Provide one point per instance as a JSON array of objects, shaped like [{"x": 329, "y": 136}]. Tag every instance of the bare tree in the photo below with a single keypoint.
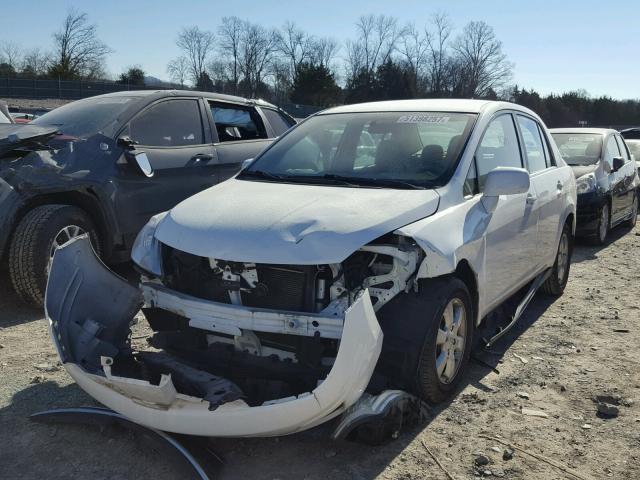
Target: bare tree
[
  {"x": 322, "y": 51},
  {"x": 294, "y": 44},
  {"x": 483, "y": 65},
  {"x": 11, "y": 54},
  {"x": 378, "y": 37},
  {"x": 197, "y": 45},
  {"x": 178, "y": 69},
  {"x": 413, "y": 48},
  {"x": 230, "y": 36},
  {"x": 438, "y": 53},
  {"x": 78, "y": 51},
  {"x": 257, "y": 48},
  {"x": 35, "y": 62}
]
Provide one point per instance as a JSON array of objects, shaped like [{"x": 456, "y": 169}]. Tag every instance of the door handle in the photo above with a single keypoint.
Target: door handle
[
  {"x": 202, "y": 157},
  {"x": 559, "y": 186},
  {"x": 531, "y": 199}
]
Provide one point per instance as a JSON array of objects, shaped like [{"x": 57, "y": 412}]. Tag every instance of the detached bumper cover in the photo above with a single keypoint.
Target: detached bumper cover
[{"x": 90, "y": 308}]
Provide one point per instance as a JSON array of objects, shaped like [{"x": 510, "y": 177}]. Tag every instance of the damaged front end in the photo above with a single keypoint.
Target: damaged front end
[{"x": 237, "y": 349}]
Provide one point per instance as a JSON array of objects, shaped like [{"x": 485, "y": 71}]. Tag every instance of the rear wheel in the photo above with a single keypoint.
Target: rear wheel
[
  {"x": 634, "y": 213},
  {"x": 557, "y": 281},
  {"x": 34, "y": 242}
]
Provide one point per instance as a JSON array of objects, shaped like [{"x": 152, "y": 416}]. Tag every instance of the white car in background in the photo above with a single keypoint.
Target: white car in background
[{"x": 326, "y": 278}]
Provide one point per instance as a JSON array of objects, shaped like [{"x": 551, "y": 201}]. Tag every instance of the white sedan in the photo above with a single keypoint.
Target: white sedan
[{"x": 352, "y": 263}]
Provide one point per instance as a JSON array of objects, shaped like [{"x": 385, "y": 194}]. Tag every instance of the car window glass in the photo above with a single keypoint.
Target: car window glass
[
  {"x": 279, "y": 123},
  {"x": 532, "y": 144},
  {"x": 612, "y": 149},
  {"x": 381, "y": 146},
  {"x": 547, "y": 153},
  {"x": 234, "y": 123},
  {"x": 172, "y": 123},
  {"x": 579, "y": 148},
  {"x": 498, "y": 148},
  {"x": 623, "y": 148},
  {"x": 471, "y": 182},
  {"x": 634, "y": 147}
]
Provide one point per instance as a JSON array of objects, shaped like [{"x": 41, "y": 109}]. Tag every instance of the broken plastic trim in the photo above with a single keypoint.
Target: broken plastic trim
[
  {"x": 90, "y": 309},
  {"x": 104, "y": 416}
]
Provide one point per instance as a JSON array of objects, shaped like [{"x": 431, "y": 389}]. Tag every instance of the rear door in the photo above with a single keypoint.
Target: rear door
[
  {"x": 548, "y": 185},
  {"x": 239, "y": 134},
  {"x": 179, "y": 147},
  {"x": 510, "y": 241}
]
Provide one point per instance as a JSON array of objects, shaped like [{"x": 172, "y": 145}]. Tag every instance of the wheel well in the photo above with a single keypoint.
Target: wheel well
[
  {"x": 465, "y": 273},
  {"x": 571, "y": 218},
  {"x": 86, "y": 200}
]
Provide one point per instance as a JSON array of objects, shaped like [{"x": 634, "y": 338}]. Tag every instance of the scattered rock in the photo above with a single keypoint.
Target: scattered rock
[
  {"x": 1, "y": 345},
  {"x": 524, "y": 395},
  {"x": 522, "y": 359},
  {"x": 586, "y": 426},
  {"x": 534, "y": 413},
  {"x": 621, "y": 330},
  {"x": 46, "y": 367},
  {"x": 38, "y": 379},
  {"x": 507, "y": 454},
  {"x": 608, "y": 410},
  {"x": 482, "y": 460},
  {"x": 496, "y": 449},
  {"x": 563, "y": 388}
]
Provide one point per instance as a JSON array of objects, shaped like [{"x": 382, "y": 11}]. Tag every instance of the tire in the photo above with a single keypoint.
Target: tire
[
  {"x": 32, "y": 243},
  {"x": 631, "y": 222},
  {"x": 410, "y": 324},
  {"x": 557, "y": 281},
  {"x": 604, "y": 224}
]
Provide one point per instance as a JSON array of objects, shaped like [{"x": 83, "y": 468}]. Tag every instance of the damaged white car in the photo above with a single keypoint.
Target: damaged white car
[{"x": 354, "y": 260}]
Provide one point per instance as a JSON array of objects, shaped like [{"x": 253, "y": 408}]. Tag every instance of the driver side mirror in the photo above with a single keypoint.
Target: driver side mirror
[
  {"x": 618, "y": 163},
  {"x": 504, "y": 181},
  {"x": 140, "y": 161}
]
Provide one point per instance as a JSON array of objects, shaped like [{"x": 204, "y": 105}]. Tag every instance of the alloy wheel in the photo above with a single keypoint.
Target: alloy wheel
[
  {"x": 563, "y": 257},
  {"x": 451, "y": 339},
  {"x": 603, "y": 228}
]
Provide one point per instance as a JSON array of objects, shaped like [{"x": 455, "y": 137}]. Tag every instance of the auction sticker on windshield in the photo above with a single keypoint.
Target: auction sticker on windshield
[{"x": 423, "y": 118}]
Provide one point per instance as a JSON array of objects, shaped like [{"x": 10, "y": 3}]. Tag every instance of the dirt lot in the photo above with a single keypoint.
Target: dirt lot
[{"x": 563, "y": 354}]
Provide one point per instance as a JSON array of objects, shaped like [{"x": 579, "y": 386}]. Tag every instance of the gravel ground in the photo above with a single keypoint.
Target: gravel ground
[{"x": 563, "y": 353}]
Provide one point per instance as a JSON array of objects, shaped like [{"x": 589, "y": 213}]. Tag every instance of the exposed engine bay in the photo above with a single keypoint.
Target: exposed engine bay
[{"x": 289, "y": 354}]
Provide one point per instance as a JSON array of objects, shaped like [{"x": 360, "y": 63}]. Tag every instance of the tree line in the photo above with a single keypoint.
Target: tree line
[{"x": 384, "y": 60}]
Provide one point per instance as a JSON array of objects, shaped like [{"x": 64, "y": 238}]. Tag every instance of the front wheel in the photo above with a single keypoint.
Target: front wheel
[
  {"x": 602, "y": 229},
  {"x": 557, "y": 281},
  {"x": 34, "y": 242},
  {"x": 631, "y": 222}
]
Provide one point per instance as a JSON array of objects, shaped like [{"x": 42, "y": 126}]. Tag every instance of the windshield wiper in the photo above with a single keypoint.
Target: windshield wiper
[
  {"x": 375, "y": 182},
  {"x": 261, "y": 174}
]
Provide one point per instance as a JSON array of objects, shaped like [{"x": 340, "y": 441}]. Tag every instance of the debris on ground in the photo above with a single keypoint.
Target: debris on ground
[{"x": 529, "y": 412}]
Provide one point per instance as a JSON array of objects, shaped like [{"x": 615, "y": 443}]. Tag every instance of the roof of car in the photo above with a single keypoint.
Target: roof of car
[
  {"x": 588, "y": 131},
  {"x": 424, "y": 105},
  {"x": 187, "y": 93}
]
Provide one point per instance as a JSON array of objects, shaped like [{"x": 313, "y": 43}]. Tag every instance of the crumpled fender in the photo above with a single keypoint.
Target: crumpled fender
[{"x": 89, "y": 310}]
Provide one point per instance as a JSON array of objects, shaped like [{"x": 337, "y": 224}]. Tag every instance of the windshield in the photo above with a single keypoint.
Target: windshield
[
  {"x": 87, "y": 117},
  {"x": 396, "y": 150},
  {"x": 579, "y": 148},
  {"x": 634, "y": 146}
]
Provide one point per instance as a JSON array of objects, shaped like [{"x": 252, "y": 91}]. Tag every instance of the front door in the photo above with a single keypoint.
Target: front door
[
  {"x": 178, "y": 145},
  {"x": 510, "y": 238}
]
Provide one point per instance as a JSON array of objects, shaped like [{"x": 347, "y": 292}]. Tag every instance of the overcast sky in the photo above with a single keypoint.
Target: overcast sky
[{"x": 556, "y": 45}]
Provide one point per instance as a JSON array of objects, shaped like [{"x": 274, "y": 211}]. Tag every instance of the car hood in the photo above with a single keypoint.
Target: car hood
[
  {"x": 580, "y": 170},
  {"x": 14, "y": 136},
  {"x": 268, "y": 222}
]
